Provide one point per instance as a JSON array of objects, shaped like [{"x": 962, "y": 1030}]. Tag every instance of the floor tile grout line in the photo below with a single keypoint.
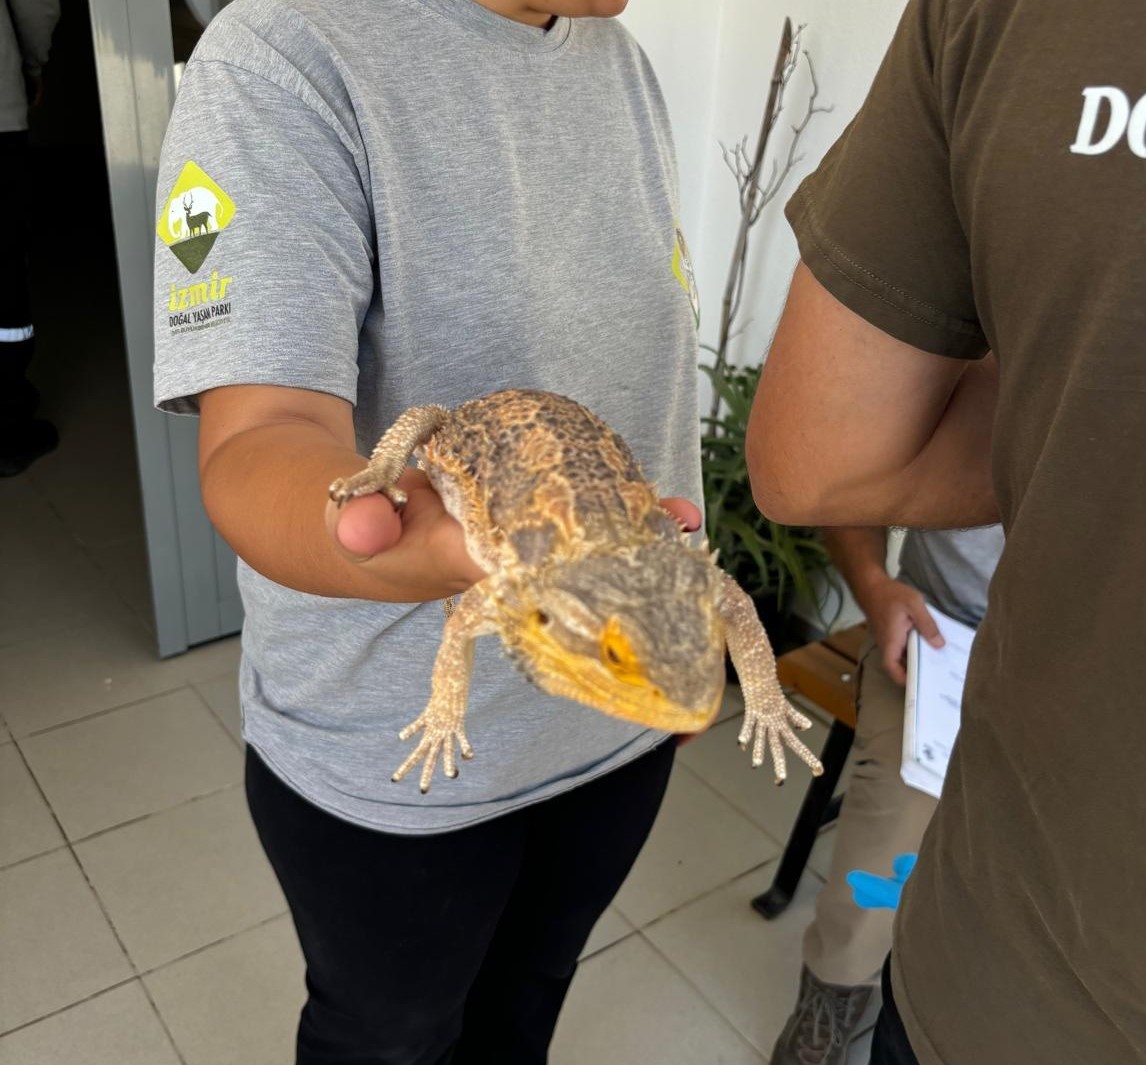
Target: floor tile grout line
[
  {"x": 89, "y": 552},
  {"x": 137, "y": 979},
  {"x": 203, "y": 947},
  {"x": 32, "y": 857},
  {"x": 233, "y": 786},
  {"x": 104, "y": 711},
  {"x": 641, "y": 932},
  {"x": 639, "y": 927},
  {"x": 106, "y": 916},
  {"x": 78, "y": 627},
  {"x": 51, "y": 811},
  {"x": 216, "y": 716},
  {"x": 782, "y": 844},
  {"x": 741, "y": 810},
  {"x": 139, "y": 974},
  {"x": 702, "y": 996},
  {"x": 70, "y": 1006},
  {"x": 608, "y": 946},
  {"x": 162, "y": 1021},
  {"x": 724, "y": 798},
  {"x": 67, "y": 842}
]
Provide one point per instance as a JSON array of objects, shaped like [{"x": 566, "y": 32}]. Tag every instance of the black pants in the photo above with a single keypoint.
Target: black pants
[
  {"x": 455, "y": 948},
  {"x": 889, "y": 1045},
  {"x": 18, "y": 398}
]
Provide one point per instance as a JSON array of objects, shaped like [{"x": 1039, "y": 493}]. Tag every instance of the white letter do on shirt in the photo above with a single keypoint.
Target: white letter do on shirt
[{"x": 1121, "y": 120}]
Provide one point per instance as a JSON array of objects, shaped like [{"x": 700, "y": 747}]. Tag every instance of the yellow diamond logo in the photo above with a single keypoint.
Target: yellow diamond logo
[{"x": 196, "y": 212}]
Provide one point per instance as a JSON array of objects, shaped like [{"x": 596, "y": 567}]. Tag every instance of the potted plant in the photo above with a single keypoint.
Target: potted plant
[{"x": 776, "y": 564}]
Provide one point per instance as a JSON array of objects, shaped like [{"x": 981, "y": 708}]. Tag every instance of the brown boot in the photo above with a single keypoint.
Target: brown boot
[{"x": 826, "y": 1020}]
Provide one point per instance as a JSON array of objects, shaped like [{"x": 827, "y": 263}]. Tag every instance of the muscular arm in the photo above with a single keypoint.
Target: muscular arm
[
  {"x": 266, "y": 457},
  {"x": 852, "y": 427}
]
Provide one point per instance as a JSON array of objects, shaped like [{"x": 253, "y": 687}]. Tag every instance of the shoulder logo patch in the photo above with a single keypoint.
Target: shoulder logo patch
[
  {"x": 682, "y": 269},
  {"x": 196, "y": 212}
]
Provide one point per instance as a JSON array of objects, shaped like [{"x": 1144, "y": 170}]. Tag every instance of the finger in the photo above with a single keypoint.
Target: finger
[
  {"x": 687, "y": 514},
  {"x": 926, "y": 625},
  {"x": 367, "y": 526},
  {"x": 893, "y": 667}
]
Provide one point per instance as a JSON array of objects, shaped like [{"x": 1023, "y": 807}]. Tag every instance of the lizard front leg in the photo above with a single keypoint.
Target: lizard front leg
[
  {"x": 768, "y": 716},
  {"x": 442, "y": 723},
  {"x": 390, "y": 456}
]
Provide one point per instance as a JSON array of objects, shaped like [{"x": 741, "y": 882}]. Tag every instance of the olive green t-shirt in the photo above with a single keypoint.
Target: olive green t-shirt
[{"x": 991, "y": 194}]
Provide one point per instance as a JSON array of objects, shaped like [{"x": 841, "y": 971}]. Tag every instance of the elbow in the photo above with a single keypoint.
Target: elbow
[
  {"x": 784, "y": 491},
  {"x": 789, "y": 502}
]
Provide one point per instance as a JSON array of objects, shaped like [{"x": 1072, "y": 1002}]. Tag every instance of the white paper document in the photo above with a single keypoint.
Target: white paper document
[{"x": 934, "y": 696}]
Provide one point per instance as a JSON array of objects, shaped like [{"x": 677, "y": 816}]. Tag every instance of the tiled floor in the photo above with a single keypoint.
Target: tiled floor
[
  {"x": 141, "y": 924},
  {"x": 139, "y": 921}
]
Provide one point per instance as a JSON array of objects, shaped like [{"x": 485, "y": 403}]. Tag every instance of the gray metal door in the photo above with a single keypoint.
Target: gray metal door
[{"x": 192, "y": 569}]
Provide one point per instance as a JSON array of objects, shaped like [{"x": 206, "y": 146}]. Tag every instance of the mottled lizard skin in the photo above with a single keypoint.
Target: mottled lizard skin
[{"x": 595, "y": 592}]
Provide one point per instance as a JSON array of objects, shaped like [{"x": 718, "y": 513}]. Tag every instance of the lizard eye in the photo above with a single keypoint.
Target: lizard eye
[
  {"x": 541, "y": 617},
  {"x": 618, "y": 653}
]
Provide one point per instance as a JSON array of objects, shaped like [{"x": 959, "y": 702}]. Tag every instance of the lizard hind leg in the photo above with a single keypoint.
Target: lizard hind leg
[
  {"x": 442, "y": 723},
  {"x": 390, "y": 456}
]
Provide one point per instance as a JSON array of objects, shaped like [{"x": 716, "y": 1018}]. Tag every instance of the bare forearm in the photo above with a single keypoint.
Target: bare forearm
[
  {"x": 860, "y": 555},
  {"x": 853, "y": 427},
  {"x": 948, "y": 485},
  {"x": 265, "y": 489},
  {"x": 942, "y": 482}
]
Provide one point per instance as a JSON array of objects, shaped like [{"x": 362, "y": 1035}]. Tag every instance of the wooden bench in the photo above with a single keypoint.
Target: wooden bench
[{"x": 826, "y": 674}]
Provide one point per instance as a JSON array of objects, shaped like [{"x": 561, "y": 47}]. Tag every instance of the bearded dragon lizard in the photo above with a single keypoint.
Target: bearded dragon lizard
[{"x": 595, "y": 592}]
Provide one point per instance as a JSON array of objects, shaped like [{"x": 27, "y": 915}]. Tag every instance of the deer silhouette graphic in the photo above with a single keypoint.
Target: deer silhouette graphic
[{"x": 195, "y": 221}]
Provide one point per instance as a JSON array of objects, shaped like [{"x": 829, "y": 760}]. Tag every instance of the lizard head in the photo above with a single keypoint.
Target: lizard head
[{"x": 634, "y": 634}]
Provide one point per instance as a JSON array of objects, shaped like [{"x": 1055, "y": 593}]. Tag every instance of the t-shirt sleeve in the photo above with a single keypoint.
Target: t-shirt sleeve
[
  {"x": 264, "y": 264},
  {"x": 877, "y": 222}
]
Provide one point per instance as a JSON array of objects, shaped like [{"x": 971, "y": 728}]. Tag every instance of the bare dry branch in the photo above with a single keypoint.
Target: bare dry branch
[{"x": 753, "y": 197}]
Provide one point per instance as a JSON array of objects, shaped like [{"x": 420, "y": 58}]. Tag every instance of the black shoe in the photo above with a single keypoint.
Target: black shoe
[{"x": 24, "y": 441}]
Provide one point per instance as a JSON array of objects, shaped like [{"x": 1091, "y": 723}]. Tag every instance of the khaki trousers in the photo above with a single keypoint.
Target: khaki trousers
[{"x": 880, "y": 818}]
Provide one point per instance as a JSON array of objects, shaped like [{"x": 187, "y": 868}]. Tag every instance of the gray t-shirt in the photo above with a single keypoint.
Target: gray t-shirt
[
  {"x": 953, "y": 568},
  {"x": 403, "y": 202}
]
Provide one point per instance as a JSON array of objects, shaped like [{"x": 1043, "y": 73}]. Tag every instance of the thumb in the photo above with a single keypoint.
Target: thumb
[
  {"x": 685, "y": 512},
  {"x": 366, "y": 526}
]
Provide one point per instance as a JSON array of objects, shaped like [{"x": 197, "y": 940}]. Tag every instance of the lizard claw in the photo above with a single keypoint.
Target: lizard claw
[
  {"x": 774, "y": 727},
  {"x": 442, "y": 731},
  {"x": 363, "y": 484}
]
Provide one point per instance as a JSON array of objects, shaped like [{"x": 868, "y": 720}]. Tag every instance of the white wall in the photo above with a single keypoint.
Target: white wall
[{"x": 714, "y": 60}]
